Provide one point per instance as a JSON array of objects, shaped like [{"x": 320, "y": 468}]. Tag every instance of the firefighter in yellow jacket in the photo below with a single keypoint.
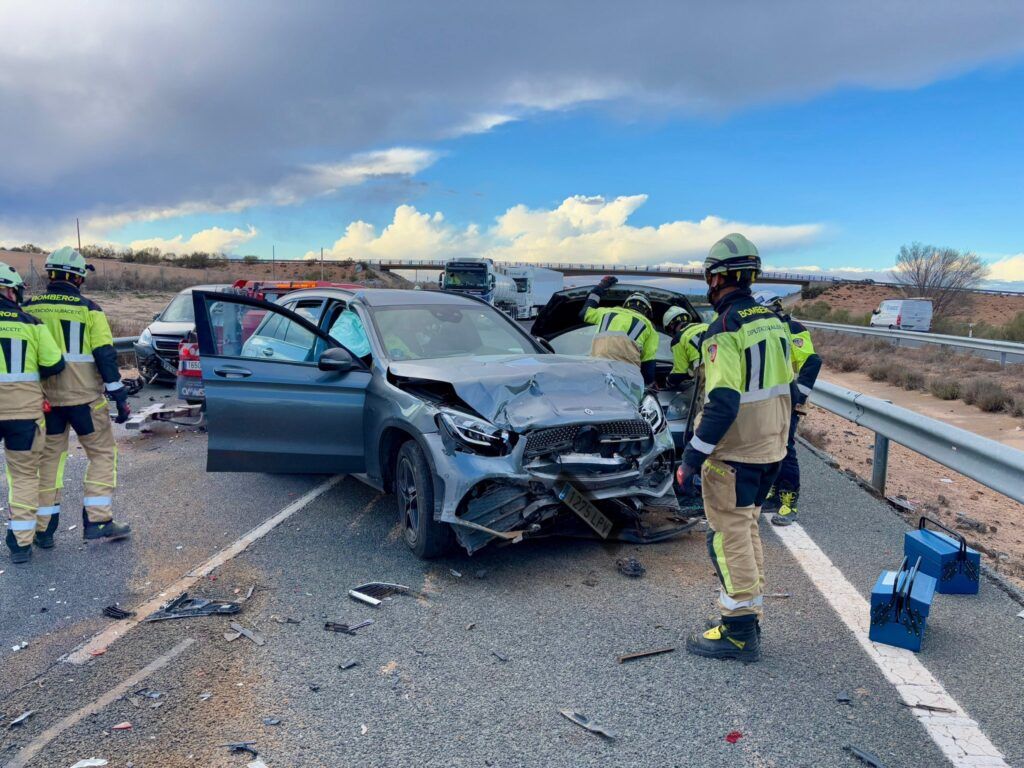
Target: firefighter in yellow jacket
[
  {"x": 76, "y": 396},
  {"x": 623, "y": 333},
  {"x": 739, "y": 442},
  {"x": 686, "y": 337},
  {"x": 28, "y": 354}
]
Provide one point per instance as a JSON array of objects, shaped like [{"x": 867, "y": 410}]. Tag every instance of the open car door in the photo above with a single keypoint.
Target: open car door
[{"x": 281, "y": 395}]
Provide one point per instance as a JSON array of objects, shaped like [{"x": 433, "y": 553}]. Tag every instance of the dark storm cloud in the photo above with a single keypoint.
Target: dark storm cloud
[{"x": 112, "y": 106}]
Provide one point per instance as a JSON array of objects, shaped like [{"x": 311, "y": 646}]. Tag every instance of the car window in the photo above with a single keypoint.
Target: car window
[
  {"x": 180, "y": 310},
  {"x": 446, "y": 330},
  {"x": 240, "y": 330},
  {"x": 577, "y": 342}
]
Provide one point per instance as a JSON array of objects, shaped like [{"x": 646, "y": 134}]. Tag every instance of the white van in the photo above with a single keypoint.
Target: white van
[{"x": 903, "y": 314}]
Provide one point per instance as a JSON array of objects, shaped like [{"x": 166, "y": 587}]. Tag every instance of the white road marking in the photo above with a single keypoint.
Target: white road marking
[
  {"x": 116, "y": 631},
  {"x": 40, "y": 742},
  {"x": 958, "y": 736}
]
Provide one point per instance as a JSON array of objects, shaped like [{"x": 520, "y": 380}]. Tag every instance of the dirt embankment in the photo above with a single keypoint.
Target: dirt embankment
[{"x": 860, "y": 299}]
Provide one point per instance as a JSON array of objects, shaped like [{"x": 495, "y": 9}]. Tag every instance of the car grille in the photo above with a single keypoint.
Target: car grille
[
  {"x": 166, "y": 344},
  {"x": 553, "y": 439}
]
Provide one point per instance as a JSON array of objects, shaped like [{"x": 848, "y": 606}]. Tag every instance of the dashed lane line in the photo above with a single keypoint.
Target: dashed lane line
[
  {"x": 40, "y": 742},
  {"x": 958, "y": 736},
  {"x": 115, "y": 632}
]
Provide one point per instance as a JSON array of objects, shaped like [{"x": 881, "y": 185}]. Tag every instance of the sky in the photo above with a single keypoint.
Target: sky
[{"x": 591, "y": 132}]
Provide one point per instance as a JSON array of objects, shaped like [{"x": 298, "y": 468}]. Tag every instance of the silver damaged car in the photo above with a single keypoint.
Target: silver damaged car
[{"x": 480, "y": 431}]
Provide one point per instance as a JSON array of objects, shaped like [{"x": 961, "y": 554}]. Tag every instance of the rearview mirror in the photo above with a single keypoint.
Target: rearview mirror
[{"x": 336, "y": 359}]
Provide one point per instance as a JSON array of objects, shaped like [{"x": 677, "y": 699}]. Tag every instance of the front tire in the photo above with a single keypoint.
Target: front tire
[{"x": 414, "y": 496}]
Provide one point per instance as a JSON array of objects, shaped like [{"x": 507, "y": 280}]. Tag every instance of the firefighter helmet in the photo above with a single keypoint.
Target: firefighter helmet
[
  {"x": 67, "y": 259},
  {"x": 638, "y": 302},
  {"x": 733, "y": 253}
]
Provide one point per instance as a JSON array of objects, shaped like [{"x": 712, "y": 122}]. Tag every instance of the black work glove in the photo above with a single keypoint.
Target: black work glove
[
  {"x": 607, "y": 282},
  {"x": 120, "y": 398}
]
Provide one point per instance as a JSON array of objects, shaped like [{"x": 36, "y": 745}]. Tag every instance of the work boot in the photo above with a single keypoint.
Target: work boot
[
  {"x": 713, "y": 621},
  {"x": 19, "y": 555},
  {"x": 731, "y": 639},
  {"x": 787, "y": 511},
  {"x": 109, "y": 530},
  {"x": 771, "y": 501},
  {"x": 44, "y": 539}
]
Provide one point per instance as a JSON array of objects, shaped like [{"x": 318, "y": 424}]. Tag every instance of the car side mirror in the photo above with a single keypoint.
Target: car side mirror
[
  {"x": 337, "y": 360},
  {"x": 875, "y": 311},
  {"x": 544, "y": 343},
  {"x": 156, "y": 316}
]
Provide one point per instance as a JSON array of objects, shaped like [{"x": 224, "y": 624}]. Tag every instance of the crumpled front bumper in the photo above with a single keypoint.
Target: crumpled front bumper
[{"x": 486, "y": 498}]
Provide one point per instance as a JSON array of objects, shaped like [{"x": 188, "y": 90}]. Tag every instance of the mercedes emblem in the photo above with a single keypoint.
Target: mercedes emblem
[{"x": 588, "y": 412}]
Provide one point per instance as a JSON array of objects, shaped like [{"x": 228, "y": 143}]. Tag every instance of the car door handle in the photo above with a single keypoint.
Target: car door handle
[{"x": 233, "y": 372}]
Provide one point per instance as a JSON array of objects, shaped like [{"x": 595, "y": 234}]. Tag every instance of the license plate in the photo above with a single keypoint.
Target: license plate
[
  {"x": 581, "y": 505},
  {"x": 168, "y": 367},
  {"x": 190, "y": 365}
]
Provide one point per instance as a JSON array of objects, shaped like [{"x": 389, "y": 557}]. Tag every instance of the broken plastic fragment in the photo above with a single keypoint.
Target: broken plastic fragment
[
  {"x": 630, "y": 566},
  {"x": 21, "y": 719},
  {"x": 271, "y": 721},
  {"x": 644, "y": 654},
  {"x": 348, "y": 664},
  {"x": 585, "y": 722},
  {"x": 254, "y": 636},
  {"x": 113, "y": 612},
  {"x": 865, "y": 757},
  {"x": 92, "y": 762},
  {"x": 345, "y": 629},
  {"x": 241, "y": 746},
  {"x": 125, "y": 726},
  {"x": 733, "y": 736},
  {"x": 184, "y": 607},
  {"x": 375, "y": 592}
]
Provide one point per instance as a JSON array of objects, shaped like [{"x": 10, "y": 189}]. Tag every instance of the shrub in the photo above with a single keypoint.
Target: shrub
[
  {"x": 1016, "y": 406},
  {"x": 944, "y": 389},
  {"x": 986, "y": 394},
  {"x": 250, "y": 258},
  {"x": 878, "y": 372},
  {"x": 907, "y": 379},
  {"x": 845, "y": 362}
]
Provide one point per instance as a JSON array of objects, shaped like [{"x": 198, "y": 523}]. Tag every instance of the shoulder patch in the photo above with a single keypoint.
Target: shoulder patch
[
  {"x": 798, "y": 342},
  {"x": 712, "y": 352}
]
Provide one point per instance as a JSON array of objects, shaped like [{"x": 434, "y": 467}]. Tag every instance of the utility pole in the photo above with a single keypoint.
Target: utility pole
[
  {"x": 273, "y": 262},
  {"x": 321, "y": 263},
  {"x": 78, "y": 229}
]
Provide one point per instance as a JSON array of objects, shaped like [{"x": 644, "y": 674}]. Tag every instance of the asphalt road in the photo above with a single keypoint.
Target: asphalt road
[{"x": 474, "y": 672}]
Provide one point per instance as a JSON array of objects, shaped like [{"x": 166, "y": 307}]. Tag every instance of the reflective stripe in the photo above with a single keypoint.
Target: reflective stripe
[
  {"x": 700, "y": 445},
  {"x": 754, "y": 374},
  {"x": 593, "y": 297},
  {"x": 804, "y": 389},
  {"x": 21, "y": 525},
  {"x": 17, "y": 357},
  {"x": 113, "y": 386},
  {"x": 723, "y": 565},
  {"x": 12, "y": 377},
  {"x": 635, "y": 330},
  {"x": 75, "y": 338},
  {"x": 79, "y": 358},
  {"x": 764, "y": 394},
  {"x": 96, "y": 501},
  {"x": 47, "y": 511},
  {"x": 732, "y": 605},
  {"x": 605, "y": 322}
]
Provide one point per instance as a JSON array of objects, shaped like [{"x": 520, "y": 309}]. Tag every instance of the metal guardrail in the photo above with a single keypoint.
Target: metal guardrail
[
  {"x": 125, "y": 343},
  {"x": 1003, "y": 351},
  {"x": 992, "y": 464}
]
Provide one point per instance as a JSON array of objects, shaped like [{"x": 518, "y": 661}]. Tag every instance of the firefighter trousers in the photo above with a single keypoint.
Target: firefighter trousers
[
  {"x": 733, "y": 493},
  {"x": 91, "y": 422},
  {"x": 789, "y": 471},
  {"x": 23, "y": 442}
]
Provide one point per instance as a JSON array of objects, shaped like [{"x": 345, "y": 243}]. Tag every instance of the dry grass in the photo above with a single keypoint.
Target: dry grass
[
  {"x": 944, "y": 389},
  {"x": 987, "y": 395},
  {"x": 816, "y": 437}
]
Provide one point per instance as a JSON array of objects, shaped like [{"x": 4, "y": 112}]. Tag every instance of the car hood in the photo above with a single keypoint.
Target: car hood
[
  {"x": 562, "y": 312},
  {"x": 160, "y": 328},
  {"x": 521, "y": 392}
]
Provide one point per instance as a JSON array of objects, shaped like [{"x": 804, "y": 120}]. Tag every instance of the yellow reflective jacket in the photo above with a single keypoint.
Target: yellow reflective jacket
[{"x": 28, "y": 354}]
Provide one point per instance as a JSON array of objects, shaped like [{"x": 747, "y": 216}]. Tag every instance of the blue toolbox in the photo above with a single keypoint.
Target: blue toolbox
[
  {"x": 945, "y": 557},
  {"x": 900, "y": 602}
]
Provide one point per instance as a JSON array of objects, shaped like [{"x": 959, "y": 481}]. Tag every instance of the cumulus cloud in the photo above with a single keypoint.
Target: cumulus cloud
[
  {"x": 1008, "y": 269},
  {"x": 151, "y": 106},
  {"x": 212, "y": 240},
  {"x": 581, "y": 230}
]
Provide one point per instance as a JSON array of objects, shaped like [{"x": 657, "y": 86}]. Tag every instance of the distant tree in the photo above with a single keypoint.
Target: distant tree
[
  {"x": 250, "y": 258},
  {"x": 940, "y": 274}
]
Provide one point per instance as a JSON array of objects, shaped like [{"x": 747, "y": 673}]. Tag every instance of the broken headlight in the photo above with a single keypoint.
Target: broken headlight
[
  {"x": 650, "y": 409},
  {"x": 473, "y": 434}
]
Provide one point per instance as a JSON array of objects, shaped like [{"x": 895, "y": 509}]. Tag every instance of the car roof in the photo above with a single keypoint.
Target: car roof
[
  {"x": 211, "y": 287},
  {"x": 387, "y": 297}
]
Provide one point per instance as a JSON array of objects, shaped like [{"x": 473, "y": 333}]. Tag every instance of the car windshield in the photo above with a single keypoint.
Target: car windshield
[
  {"x": 446, "y": 330},
  {"x": 475, "y": 277},
  {"x": 577, "y": 342},
  {"x": 180, "y": 310}
]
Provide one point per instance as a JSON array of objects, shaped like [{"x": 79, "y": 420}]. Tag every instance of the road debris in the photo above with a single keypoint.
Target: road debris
[
  {"x": 286, "y": 620},
  {"x": 249, "y": 592},
  {"x": 21, "y": 718},
  {"x": 97, "y": 652},
  {"x": 125, "y": 726},
  {"x": 254, "y": 636},
  {"x": 1020, "y": 615},
  {"x": 778, "y": 595},
  {"x": 271, "y": 721},
  {"x": 205, "y": 695},
  {"x": 348, "y": 664},
  {"x": 185, "y": 607},
  {"x": 363, "y": 729},
  {"x": 499, "y": 657},
  {"x": 471, "y": 625},
  {"x": 92, "y": 762},
  {"x": 257, "y": 763},
  {"x": 113, "y": 612},
  {"x": 844, "y": 698},
  {"x": 376, "y": 592},
  {"x": 929, "y": 707},
  {"x": 333, "y": 626},
  {"x": 644, "y": 654},
  {"x": 630, "y": 566},
  {"x": 733, "y": 736},
  {"x": 585, "y": 722},
  {"x": 865, "y": 757},
  {"x": 19, "y": 646},
  {"x": 241, "y": 746},
  {"x": 232, "y": 636},
  {"x": 456, "y": 574}
]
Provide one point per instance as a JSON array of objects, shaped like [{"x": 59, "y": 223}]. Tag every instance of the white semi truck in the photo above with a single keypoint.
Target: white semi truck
[
  {"x": 534, "y": 287},
  {"x": 480, "y": 277}
]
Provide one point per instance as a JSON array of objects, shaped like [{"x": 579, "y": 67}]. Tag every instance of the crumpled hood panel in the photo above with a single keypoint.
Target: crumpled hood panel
[{"x": 521, "y": 392}]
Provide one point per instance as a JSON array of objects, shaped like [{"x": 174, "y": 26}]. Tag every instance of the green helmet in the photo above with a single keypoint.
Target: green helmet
[
  {"x": 9, "y": 278},
  {"x": 67, "y": 259},
  {"x": 639, "y": 303},
  {"x": 733, "y": 253},
  {"x": 672, "y": 314}
]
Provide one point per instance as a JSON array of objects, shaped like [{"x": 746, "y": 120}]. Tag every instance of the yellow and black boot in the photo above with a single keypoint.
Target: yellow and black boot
[
  {"x": 771, "y": 501},
  {"x": 736, "y": 637},
  {"x": 109, "y": 530},
  {"x": 787, "y": 512}
]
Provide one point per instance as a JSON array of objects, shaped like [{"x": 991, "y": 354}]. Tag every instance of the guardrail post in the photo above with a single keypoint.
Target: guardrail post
[
  {"x": 1002, "y": 359},
  {"x": 880, "y": 463}
]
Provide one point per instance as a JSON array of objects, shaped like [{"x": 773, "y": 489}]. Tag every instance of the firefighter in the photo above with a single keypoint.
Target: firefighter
[
  {"x": 784, "y": 497},
  {"x": 739, "y": 442},
  {"x": 686, "y": 339},
  {"x": 27, "y": 354},
  {"x": 623, "y": 333},
  {"x": 76, "y": 397}
]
